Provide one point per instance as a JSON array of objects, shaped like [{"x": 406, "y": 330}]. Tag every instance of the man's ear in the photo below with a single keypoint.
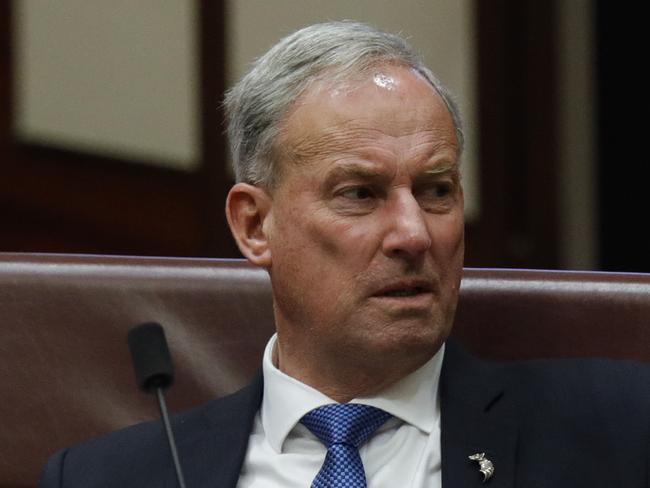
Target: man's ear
[{"x": 247, "y": 207}]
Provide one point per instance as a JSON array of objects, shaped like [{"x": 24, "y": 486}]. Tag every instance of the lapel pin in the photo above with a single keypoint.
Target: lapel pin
[{"x": 484, "y": 464}]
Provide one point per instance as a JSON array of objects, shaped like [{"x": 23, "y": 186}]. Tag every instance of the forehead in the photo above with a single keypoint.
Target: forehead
[{"x": 389, "y": 109}]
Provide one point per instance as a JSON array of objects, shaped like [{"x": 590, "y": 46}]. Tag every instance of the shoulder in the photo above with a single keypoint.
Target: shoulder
[
  {"x": 124, "y": 455},
  {"x": 590, "y": 380},
  {"x": 600, "y": 404},
  {"x": 559, "y": 393},
  {"x": 573, "y": 415},
  {"x": 186, "y": 426},
  {"x": 118, "y": 455},
  {"x": 590, "y": 414}
]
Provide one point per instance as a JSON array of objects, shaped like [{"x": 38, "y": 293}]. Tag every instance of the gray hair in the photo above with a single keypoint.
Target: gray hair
[{"x": 256, "y": 106}]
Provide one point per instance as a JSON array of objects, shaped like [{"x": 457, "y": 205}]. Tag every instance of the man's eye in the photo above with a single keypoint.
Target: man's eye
[
  {"x": 441, "y": 193},
  {"x": 437, "y": 190},
  {"x": 357, "y": 193},
  {"x": 442, "y": 189}
]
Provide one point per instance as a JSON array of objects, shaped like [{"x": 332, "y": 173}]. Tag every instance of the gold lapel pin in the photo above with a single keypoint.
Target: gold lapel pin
[{"x": 484, "y": 464}]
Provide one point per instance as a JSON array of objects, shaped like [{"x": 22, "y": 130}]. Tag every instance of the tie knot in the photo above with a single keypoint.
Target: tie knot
[{"x": 344, "y": 423}]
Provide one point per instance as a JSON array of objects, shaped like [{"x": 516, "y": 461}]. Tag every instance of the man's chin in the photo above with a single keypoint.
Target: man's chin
[{"x": 406, "y": 343}]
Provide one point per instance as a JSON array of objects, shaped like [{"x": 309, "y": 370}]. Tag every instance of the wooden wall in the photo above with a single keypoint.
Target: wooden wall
[{"x": 65, "y": 201}]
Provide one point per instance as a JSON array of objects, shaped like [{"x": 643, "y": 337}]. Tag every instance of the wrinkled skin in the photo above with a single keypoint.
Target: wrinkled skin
[{"x": 363, "y": 234}]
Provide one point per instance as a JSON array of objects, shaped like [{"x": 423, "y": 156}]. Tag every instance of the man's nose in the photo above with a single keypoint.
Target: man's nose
[{"x": 407, "y": 234}]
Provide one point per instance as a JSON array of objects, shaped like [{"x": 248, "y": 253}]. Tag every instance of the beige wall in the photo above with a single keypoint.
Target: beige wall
[
  {"x": 116, "y": 77},
  {"x": 577, "y": 129},
  {"x": 120, "y": 78}
]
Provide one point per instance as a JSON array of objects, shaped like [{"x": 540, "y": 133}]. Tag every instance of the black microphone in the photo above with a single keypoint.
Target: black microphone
[{"x": 154, "y": 372}]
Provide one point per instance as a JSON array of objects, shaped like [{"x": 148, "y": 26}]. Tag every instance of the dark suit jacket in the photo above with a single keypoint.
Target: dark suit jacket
[{"x": 558, "y": 423}]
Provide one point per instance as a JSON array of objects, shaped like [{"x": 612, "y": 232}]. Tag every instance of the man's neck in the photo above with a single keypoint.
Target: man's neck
[{"x": 343, "y": 379}]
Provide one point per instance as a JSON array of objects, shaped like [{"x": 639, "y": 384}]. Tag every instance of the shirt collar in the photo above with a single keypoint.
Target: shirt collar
[{"x": 413, "y": 399}]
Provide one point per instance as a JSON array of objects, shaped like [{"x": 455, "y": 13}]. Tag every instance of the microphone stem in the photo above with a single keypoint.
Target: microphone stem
[{"x": 170, "y": 437}]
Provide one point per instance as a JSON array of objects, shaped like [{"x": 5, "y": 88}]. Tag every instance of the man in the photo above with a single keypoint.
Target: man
[{"x": 347, "y": 154}]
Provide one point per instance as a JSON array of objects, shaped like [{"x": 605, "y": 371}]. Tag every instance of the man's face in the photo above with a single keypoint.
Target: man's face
[{"x": 366, "y": 224}]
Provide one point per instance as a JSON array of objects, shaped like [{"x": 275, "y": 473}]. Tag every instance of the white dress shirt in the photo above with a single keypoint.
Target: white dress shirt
[{"x": 404, "y": 452}]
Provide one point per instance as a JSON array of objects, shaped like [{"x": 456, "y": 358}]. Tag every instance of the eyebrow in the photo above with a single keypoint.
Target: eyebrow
[
  {"x": 353, "y": 171},
  {"x": 442, "y": 168},
  {"x": 367, "y": 172},
  {"x": 445, "y": 167}
]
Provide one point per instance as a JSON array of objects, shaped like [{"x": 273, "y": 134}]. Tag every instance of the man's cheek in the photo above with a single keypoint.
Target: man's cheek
[
  {"x": 324, "y": 242},
  {"x": 343, "y": 241}
]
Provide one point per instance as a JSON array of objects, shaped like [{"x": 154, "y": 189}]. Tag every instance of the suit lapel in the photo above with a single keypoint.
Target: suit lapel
[
  {"x": 477, "y": 416},
  {"x": 213, "y": 452}
]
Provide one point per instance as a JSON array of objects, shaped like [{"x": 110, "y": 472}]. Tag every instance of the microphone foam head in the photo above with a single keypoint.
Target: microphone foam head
[{"x": 151, "y": 359}]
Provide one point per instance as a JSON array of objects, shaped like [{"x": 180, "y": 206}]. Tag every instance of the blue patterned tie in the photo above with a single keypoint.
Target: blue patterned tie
[{"x": 343, "y": 428}]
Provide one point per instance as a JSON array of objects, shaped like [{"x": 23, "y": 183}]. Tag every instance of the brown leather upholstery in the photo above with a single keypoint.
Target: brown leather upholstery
[{"x": 65, "y": 368}]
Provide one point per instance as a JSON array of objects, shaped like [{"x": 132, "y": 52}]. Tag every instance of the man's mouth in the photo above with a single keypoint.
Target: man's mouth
[
  {"x": 405, "y": 292},
  {"x": 405, "y": 289}
]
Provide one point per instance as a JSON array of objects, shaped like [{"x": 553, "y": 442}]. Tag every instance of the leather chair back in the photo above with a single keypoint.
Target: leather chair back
[{"x": 65, "y": 368}]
